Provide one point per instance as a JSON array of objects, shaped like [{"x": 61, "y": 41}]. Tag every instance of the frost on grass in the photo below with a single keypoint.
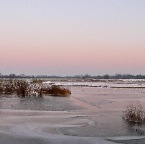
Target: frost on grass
[
  {"x": 134, "y": 113},
  {"x": 35, "y": 88}
]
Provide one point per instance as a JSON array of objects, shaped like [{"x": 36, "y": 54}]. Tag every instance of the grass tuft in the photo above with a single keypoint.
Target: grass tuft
[
  {"x": 134, "y": 113},
  {"x": 35, "y": 88},
  {"x": 37, "y": 81},
  {"x": 59, "y": 91}
]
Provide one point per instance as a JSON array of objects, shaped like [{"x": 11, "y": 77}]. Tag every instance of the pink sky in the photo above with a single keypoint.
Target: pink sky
[{"x": 68, "y": 38}]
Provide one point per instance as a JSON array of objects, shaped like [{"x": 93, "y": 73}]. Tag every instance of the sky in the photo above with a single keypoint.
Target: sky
[{"x": 71, "y": 37}]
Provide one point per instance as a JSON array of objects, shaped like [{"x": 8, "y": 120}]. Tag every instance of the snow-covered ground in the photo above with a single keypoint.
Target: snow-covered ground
[
  {"x": 125, "y": 83},
  {"x": 91, "y": 115}
]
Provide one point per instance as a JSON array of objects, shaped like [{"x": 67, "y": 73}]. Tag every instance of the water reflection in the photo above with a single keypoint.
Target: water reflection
[
  {"x": 134, "y": 128},
  {"x": 46, "y": 103}
]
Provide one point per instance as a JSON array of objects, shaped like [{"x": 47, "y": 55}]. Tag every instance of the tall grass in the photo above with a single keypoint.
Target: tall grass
[
  {"x": 58, "y": 91},
  {"x": 134, "y": 113},
  {"x": 35, "y": 88},
  {"x": 21, "y": 87},
  {"x": 36, "y": 81},
  {"x": 1, "y": 89}
]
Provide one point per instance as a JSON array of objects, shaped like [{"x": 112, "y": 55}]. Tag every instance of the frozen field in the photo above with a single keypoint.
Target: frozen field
[{"x": 91, "y": 115}]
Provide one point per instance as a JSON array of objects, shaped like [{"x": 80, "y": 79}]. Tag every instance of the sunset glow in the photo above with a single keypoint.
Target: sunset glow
[{"x": 69, "y": 37}]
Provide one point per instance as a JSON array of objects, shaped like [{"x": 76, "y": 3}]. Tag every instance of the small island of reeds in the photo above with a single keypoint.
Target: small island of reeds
[{"x": 35, "y": 87}]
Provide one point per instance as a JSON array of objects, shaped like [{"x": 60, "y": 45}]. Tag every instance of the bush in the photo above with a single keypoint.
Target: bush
[
  {"x": 37, "y": 88},
  {"x": 34, "y": 81},
  {"x": 58, "y": 91},
  {"x": 8, "y": 89},
  {"x": 21, "y": 87},
  {"x": 1, "y": 89},
  {"x": 134, "y": 113}
]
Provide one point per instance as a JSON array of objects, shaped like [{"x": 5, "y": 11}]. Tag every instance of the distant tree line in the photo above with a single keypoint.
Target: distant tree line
[
  {"x": 86, "y": 76},
  {"x": 116, "y": 76}
]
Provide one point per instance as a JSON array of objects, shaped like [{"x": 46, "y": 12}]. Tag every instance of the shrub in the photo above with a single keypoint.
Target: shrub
[
  {"x": 34, "y": 81},
  {"x": 58, "y": 91},
  {"x": 134, "y": 113},
  {"x": 21, "y": 87},
  {"x": 8, "y": 89},
  {"x": 37, "y": 88},
  {"x": 1, "y": 89}
]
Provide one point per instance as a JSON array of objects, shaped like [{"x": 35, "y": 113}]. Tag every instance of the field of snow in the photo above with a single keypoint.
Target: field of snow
[{"x": 91, "y": 115}]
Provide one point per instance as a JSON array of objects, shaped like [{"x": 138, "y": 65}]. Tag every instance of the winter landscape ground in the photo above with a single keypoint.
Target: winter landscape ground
[{"x": 91, "y": 115}]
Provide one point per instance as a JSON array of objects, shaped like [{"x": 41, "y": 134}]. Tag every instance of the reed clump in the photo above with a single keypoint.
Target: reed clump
[
  {"x": 35, "y": 81},
  {"x": 35, "y": 88},
  {"x": 134, "y": 113},
  {"x": 1, "y": 89},
  {"x": 58, "y": 91},
  {"x": 21, "y": 87}
]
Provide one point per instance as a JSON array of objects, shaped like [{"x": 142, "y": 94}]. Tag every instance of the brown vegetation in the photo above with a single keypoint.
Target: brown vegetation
[
  {"x": 35, "y": 88},
  {"x": 134, "y": 113},
  {"x": 37, "y": 81},
  {"x": 59, "y": 91}
]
